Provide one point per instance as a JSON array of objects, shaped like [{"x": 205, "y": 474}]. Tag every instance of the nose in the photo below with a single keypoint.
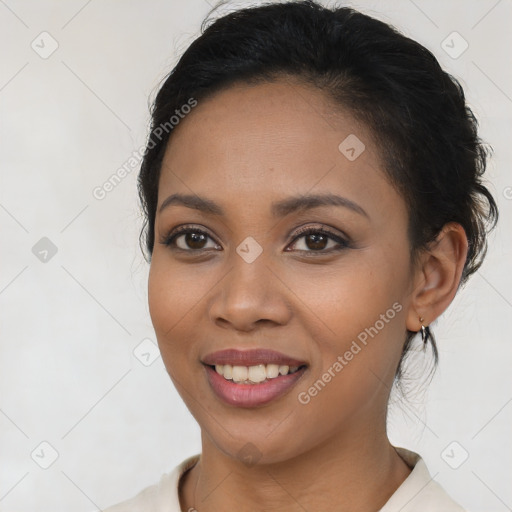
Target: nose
[{"x": 250, "y": 295}]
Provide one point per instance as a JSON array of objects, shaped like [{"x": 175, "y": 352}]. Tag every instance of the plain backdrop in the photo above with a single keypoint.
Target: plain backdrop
[{"x": 83, "y": 391}]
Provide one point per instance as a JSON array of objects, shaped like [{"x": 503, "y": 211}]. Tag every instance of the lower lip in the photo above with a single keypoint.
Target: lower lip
[{"x": 251, "y": 395}]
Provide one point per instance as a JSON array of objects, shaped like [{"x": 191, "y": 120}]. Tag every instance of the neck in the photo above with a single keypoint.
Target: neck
[{"x": 343, "y": 473}]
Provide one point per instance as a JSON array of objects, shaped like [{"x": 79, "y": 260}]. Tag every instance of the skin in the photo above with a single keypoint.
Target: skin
[{"x": 244, "y": 148}]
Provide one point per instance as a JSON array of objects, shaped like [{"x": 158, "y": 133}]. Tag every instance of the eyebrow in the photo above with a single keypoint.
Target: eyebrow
[{"x": 278, "y": 209}]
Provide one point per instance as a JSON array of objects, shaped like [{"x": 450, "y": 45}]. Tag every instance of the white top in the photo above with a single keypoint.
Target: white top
[{"x": 418, "y": 492}]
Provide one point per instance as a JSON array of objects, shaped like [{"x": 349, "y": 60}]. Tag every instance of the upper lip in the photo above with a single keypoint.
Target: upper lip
[{"x": 250, "y": 357}]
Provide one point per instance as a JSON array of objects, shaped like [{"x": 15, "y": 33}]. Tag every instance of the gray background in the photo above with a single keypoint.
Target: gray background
[{"x": 73, "y": 372}]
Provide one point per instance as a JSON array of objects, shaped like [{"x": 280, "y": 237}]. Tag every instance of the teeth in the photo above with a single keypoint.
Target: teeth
[
  {"x": 272, "y": 371},
  {"x": 257, "y": 373},
  {"x": 240, "y": 373},
  {"x": 227, "y": 371},
  {"x": 253, "y": 374}
]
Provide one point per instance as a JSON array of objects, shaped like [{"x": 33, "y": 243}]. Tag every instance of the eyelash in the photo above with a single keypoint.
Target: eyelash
[{"x": 170, "y": 239}]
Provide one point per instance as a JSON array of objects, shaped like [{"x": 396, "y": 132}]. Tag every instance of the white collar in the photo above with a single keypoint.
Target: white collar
[{"x": 419, "y": 492}]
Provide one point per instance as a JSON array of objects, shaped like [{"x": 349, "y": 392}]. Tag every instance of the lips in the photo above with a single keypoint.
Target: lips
[
  {"x": 252, "y": 357},
  {"x": 223, "y": 369}
]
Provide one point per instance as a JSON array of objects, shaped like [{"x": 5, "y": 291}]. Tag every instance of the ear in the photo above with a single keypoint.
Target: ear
[{"x": 437, "y": 276}]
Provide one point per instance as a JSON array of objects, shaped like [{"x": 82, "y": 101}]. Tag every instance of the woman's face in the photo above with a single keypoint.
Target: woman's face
[{"x": 250, "y": 169}]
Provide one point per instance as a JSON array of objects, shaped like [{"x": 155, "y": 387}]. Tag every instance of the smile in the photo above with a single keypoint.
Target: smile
[
  {"x": 253, "y": 374},
  {"x": 251, "y": 378},
  {"x": 250, "y": 394}
]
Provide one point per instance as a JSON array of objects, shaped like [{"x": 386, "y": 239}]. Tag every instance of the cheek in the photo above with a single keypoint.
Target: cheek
[
  {"x": 353, "y": 296},
  {"x": 172, "y": 295},
  {"x": 356, "y": 368},
  {"x": 161, "y": 299},
  {"x": 361, "y": 330}
]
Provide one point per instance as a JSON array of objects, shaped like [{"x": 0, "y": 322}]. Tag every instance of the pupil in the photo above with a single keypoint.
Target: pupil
[
  {"x": 195, "y": 240},
  {"x": 318, "y": 240}
]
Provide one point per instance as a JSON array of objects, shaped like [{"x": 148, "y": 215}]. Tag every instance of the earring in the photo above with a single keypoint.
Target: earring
[{"x": 424, "y": 331}]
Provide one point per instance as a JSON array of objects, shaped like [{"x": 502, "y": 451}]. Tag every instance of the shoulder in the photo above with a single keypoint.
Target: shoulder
[
  {"x": 419, "y": 492},
  {"x": 159, "y": 497}
]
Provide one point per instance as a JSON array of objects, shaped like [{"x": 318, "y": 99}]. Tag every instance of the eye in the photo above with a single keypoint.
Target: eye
[
  {"x": 314, "y": 239},
  {"x": 318, "y": 240},
  {"x": 190, "y": 239}
]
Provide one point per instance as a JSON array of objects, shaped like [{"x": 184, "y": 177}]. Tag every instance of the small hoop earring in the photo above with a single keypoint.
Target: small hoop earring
[
  {"x": 424, "y": 334},
  {"x": 424, "y": 331}
]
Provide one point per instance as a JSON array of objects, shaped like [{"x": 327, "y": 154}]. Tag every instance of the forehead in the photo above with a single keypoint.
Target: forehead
[{"x": 268, "y": 140}]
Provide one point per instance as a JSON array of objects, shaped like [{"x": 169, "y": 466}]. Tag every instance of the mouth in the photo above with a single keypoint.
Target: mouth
[
  {"x": 251, "y": 378},
  {"x": 254, "y": 374}
]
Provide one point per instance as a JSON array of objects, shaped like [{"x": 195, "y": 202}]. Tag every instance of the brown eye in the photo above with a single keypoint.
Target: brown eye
[
  {"x": 318, "y": 240},
  {"x": 190, "y": 239},
  {"x": 193, "y": 240}
]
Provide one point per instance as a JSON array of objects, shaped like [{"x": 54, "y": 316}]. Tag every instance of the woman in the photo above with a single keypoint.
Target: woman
[{"x": 313, "y": 194}]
